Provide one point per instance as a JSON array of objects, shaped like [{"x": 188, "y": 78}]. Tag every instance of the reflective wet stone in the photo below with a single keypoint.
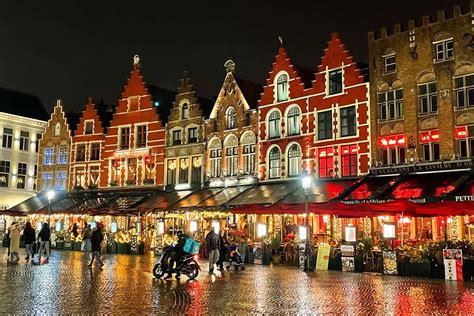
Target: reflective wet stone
[{"x": 126, "y": 285}]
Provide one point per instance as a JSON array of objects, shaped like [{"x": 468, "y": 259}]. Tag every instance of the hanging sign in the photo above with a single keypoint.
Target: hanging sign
[
  {"x": 322, "y": 260},
  {"x": 452, "y": 264}
]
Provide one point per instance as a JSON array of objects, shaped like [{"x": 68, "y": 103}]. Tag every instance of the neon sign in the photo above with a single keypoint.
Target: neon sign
[
  {"x": 429, "y": 136},
  {"x": 399, "y": 140},
  {"x": 460, "y": 132}
]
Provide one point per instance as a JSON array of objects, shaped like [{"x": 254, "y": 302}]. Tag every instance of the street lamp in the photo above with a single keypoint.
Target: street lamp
[
  {"x": 50, "y": 196},
  {"x": 306, "y": 182}
]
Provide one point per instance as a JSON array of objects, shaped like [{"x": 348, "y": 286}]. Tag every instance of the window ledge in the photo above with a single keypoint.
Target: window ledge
[
  {"x": 440, "y": 61},
  {"x": 391, "y": 120},
  {"x": 428, "y": 114},
  {"x": 327, "y": 96},
  {"x": 388, "y": 72}
]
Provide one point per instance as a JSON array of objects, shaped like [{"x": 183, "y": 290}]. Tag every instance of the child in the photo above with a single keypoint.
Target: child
[{"x": 235, "y": 255}]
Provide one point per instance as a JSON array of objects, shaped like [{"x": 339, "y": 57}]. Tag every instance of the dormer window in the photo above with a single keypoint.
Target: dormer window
[
  {"x": 231, "y": 117},
  {"x": 185, "y": 111},
  {"x": 335, "y": 81},
  {"x": 282, "y": 88},
  {"x": 88, "y": 128},
  {"x": 389, "y": 63}
]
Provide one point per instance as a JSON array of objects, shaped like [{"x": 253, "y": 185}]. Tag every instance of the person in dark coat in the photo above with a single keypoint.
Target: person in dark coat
[
  {"x": 96, "y": 242},
  {"x": 75, "y": 230},
  {"x": 178, "y": 252},
  {"x": 223, "y": 249},
  {"x": 44, "y": 237},
  {"x": 29, "y": 237}
]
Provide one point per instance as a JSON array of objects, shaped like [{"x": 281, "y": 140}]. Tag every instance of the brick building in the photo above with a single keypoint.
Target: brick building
[
  {"x": 87, "y": 146},
  {"x": 54, "y": 151},
  {"x": 284, "y": 138},
  {"x": 422, "y": 90},
  {"x": 339, "y": 100},
  {"x": 185, "y": 139},
  {"x": 231, "y": 132},
  {"x": 133, "y": 152}
]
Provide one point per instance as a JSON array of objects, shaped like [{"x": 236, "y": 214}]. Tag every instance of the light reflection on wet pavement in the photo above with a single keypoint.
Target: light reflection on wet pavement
[{"x": 126, "y": 285}]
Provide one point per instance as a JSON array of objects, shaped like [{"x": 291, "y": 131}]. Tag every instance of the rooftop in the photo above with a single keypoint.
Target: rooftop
[{"x": 22, "y": 104}]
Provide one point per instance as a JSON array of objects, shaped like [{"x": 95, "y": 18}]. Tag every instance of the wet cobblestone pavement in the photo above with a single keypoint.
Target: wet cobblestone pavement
[{"x": 126, "y": 286}]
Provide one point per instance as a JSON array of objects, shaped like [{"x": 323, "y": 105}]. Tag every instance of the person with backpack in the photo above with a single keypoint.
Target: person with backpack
[
  {"x": 29, "y": 236},
  {"x": 96, "y": 242},
  {"x": 44, "y": 237},
  {"x": 213, "y": 246}
]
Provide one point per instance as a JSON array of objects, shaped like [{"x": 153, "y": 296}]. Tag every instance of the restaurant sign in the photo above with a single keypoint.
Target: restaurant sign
[
  {"x": 391, "y": 141},
  {"x": 464, "y": 198},
  {"x": 423, "y": 167}
]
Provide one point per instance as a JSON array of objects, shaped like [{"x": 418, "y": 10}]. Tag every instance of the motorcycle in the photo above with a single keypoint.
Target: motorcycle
[{"x": 186, "y": 265}]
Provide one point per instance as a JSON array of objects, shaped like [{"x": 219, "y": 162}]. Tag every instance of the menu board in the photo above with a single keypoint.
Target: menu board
[
  {"x": 322, "y": 260},
  {"x": 390, "y": 262},
  {"x": 301, "y": 254},
  {"x": 452, "y": 264},
  {"x": 258, "y": 253},
  {"x": 347, "y": 258}
]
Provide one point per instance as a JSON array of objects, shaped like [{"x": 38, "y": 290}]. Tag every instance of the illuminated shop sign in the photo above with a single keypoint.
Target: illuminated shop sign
[
  {"x": 460, "y": 132},
  {"x": 391, "y": 141},
  {"x": 429, "y": 136}
]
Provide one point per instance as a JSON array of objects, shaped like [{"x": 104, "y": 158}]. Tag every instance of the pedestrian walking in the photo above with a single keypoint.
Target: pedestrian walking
[
  {"x": 96, "y": 242},
  {"x": 14, "y": 232},
  {"x": 223, "y": 250},
  {"x": 29, "y": 236},
  {"x": 86, "y": 238},
  {"x": 75, "y": 230},
  {"x": 44, "y": 237},
  {"x": 213, "y": 245}
]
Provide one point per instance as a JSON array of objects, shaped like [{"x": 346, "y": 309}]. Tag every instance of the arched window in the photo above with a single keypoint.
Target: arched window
[
  {"x": 274, "y": 163},
  {"x": 231, "y": 160},
  {"x": 282, "y": 88},
  {"x": 248, "y": 141},
  {"x": 274, "y": 125},
  {"x": 293, "y": 121},
  {"x": 294, "y": 161},
  {"x": 215, "y": 154},
  {"x": 185, "y": 111},
  {"x": 230, "y": 116}
]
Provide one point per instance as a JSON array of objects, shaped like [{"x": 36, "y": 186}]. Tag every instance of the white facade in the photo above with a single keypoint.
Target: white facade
[{"x": 19, "y": 138}]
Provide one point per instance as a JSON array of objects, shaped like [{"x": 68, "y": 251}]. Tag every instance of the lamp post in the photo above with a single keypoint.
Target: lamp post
[
  {"x": 50, "y": 196},
  {"x": 306, "y": 182}
]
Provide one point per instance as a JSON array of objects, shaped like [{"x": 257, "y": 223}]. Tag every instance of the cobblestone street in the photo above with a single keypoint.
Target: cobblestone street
[{"x": 126, "y": 285}]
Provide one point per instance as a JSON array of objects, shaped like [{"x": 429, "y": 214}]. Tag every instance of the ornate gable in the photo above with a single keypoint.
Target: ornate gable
[
  {"x": 89, "y": 114},
  {"x": 186, "y": 95}
]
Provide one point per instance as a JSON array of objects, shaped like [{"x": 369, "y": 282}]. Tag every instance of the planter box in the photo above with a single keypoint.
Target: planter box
[
  {"x": 123, "y": 248},
  {"x": 422, "y": 270},
  {"x": 468, "y": 269},
  {"x": 60, "y": 245},
  {"x": 437, "y": 271},
  {"x": 68, "y": 245},
  {"x": 77, "y": 246}
]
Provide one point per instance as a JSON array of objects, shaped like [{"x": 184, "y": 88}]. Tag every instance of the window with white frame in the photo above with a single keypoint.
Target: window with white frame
[
  {"x": 124, "y": 141},
  {"x": 231, "y": 159},
  {"x": 282, "y": 88},
  {"x": 141, "y": 136},
  {"x": 48, "y": 156},
  {"x": 293, "y": 121},
  {"x": 325, "y": 125},
  {"x": 4, "y": 173},
  {"x": 444, "y": 50},
  {"x": 62, "y": 155},
  {"x": 47, "y": 183},
  {"x": 61, "y": 180},
  {"x": 428, "y": 98},
  {"x": 196, "y": 168},
  {"x": 177, "y": 137},
  {"x": 335, "y": 81},
  {"x": 80, "y": 152},
  {"x": 88, "y": 127},
  {"x": 21, "y": 176},
  {"x": 326, "y": 162},
  {"x": 464, "y": 91},
  {"x": 294, "y": 161},
  {"x": 390, "y": 104},
  {"x": 231, "y": 116},
  {"x": 274, "y": 124},
  {"x": 192, "y": 135},
  {"x": 348, "y": 121},
  {"x": 466, "y": 147},
  {"x": 35, "y": 177},
  {"x": 349, "y": 163},
  {"x": 249, "y": 158},
  {"x": 389, "y": 63},
  {"x": 185, "y": 111},
  {"x": 7, "y": 138},
  {"x": 215, "y": 157},
  {"x": 431, "y": 151},
  {"x": 274, "y": 163},
  {"x": 24, "y": 140},
  {"x": 183, "y": 170},
  {"x": 94, "y": 151}
]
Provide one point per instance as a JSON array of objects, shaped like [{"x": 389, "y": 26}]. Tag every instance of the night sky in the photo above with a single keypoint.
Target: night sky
[{"x": 76, "y": 49}]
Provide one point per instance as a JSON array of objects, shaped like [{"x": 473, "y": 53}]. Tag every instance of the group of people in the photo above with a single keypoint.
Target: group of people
[
  {"x": 218, "y": 248},
  {"x": 42, "y": 241}
]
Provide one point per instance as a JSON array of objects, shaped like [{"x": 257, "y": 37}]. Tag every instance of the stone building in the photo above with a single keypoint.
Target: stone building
[
  {"x": 87, "y": 146},
  {"x": 231, "y": 132},
  {"x": 133, "y": 151},
  {"x": 422, "y": 90},
  {"x": 185, "y": 139},
  {"x": 54, "y": 151},
  {"x": 22, "y": 122}
]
